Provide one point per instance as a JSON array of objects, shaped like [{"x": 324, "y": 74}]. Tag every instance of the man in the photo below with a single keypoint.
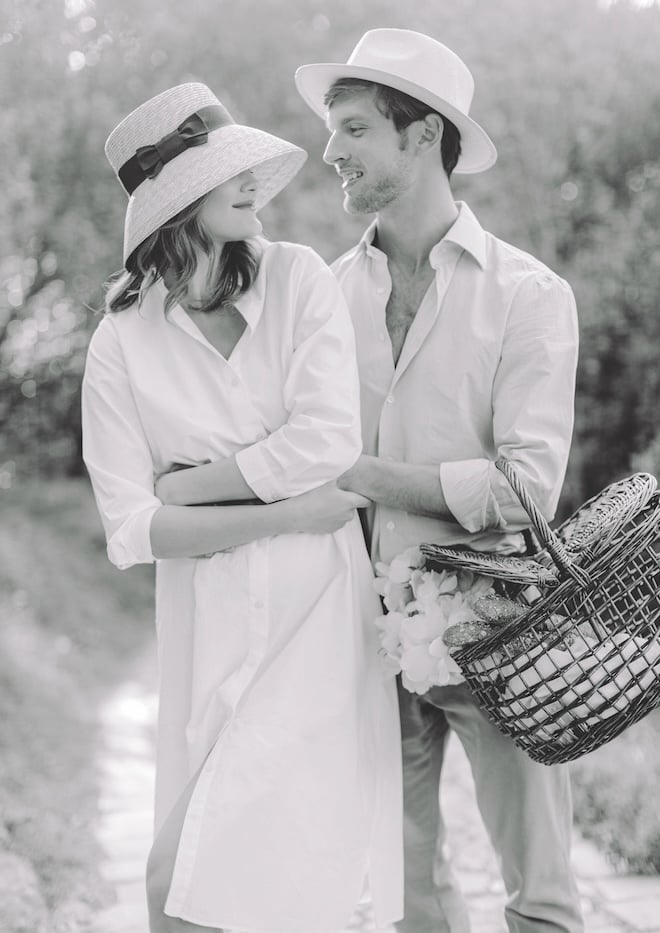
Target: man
[{"x": 467, "y": 349}]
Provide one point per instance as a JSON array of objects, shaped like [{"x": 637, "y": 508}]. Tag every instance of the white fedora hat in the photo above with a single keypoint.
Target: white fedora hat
[
  {"x": 179, "y": 146},
  {"x": 420, "y": 67}
]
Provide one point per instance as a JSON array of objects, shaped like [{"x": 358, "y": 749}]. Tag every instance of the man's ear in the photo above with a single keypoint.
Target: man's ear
[{"x": 430, "y": 131}]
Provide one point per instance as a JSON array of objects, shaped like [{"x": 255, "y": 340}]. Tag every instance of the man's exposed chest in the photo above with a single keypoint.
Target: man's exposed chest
[{"x": 405, "y": 299}]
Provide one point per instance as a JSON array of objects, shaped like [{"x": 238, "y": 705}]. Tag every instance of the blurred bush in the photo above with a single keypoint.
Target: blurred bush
[
  {"x": 71, "y": 628},
  {"x": 616, "y": 791},
  {"x": 569, "y": 90}
]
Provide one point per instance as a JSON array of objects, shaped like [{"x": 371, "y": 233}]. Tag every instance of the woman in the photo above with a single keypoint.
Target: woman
[{"x": 278, "y": 795}]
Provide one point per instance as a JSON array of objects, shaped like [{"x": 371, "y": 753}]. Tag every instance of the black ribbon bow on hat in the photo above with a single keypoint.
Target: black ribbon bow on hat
[
  {"x": 149, "y": 161},
  {"x": 192, "y": 132}
]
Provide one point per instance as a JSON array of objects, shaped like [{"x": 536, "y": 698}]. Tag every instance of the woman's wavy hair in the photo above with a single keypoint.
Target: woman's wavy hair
[{"x": 173, "y": 248}]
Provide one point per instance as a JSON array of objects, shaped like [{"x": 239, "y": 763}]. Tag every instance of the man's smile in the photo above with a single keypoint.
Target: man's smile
[{"x": 349, "y": 177}]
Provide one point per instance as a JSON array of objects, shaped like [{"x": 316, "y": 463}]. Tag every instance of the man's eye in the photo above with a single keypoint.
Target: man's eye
[{"x": 356, "y": 130}]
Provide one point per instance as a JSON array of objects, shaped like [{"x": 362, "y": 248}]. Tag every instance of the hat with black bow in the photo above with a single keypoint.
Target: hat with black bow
[{"x": 179, "y": 146}]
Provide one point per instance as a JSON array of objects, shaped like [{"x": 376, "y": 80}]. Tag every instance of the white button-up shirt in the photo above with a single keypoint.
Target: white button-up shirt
[
  {"x": 270, "y": 680},
  {"x": 487, "y": 369}
]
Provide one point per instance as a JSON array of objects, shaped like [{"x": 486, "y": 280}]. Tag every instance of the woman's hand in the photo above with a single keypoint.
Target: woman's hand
[
  {"x": 165, "y": 485},
  {"x": 325, "y": 509},
  {"x": 161, "y": 489}
]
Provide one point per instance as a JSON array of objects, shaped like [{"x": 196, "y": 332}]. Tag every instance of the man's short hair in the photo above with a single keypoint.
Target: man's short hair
[{"x": 402, "y": 110}]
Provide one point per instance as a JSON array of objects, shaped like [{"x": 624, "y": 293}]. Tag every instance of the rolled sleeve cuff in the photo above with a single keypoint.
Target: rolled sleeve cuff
[
  {"x": 131, "y": 543},
  {"x": 258, "y": 475},
  {"x": 466, "y": 487}
]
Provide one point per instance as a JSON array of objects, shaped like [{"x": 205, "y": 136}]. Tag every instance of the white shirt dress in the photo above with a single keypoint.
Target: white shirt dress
[{"x": 269, "y": 676}]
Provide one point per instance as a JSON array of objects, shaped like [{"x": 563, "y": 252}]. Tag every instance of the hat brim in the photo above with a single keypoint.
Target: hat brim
[
  {"x": 478, "y": 151},
  {"x": 229, "y": 151}
]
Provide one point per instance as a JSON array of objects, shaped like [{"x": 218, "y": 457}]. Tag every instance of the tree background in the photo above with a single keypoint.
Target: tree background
[
  {"x": 570, "y": 92},
  {"x": 568, "y": 89}
]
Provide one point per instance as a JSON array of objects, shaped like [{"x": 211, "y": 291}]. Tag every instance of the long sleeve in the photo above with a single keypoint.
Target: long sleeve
[
  {"x": 116, "y": 451},
  {"x": 533, "y": 410},
  {"x": 321, "y": 438}
]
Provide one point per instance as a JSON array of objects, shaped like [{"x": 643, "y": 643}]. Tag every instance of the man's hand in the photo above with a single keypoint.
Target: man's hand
[
  {"x": 355, "y": 479},
  {"x": 324, "y": 510}
]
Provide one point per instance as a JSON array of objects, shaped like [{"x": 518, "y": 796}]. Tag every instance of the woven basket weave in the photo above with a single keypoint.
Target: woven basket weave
[{"x": 582, "y": 663}]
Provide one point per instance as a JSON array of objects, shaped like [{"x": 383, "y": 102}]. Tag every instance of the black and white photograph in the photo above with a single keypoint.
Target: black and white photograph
[{"x": 329, "y": 465}]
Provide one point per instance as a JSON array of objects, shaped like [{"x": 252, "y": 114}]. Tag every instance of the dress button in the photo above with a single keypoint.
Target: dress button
[{"x": 390, "y": 526}]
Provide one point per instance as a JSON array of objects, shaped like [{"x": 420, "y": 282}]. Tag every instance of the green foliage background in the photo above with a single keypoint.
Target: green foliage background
[{"x": 568, "y": 89}]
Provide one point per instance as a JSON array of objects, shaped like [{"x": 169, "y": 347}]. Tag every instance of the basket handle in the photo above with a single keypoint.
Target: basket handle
[{"x": 552, "y": 543}]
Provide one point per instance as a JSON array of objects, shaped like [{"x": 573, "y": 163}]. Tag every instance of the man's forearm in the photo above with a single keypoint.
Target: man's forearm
[{"x": 409, "y": 487}]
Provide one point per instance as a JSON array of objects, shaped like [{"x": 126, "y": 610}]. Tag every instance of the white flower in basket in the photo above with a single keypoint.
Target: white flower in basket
[{"x": 422, "y": 605}]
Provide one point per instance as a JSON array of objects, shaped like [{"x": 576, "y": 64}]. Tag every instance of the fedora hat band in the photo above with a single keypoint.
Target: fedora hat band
[{"x": 149, "y": 160}]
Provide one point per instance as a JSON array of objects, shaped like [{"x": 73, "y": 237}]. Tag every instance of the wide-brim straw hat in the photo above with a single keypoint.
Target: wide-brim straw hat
[
  {"x": 179, "y": 146},
  {"x": 420, "y": 67}
]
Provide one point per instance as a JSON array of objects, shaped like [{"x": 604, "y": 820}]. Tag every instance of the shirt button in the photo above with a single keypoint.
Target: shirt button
[
  {"x": 380, "y": 291},
  {"x": 259, "y": 605},
  {"x": 390, "y": 399},
  {"x": 381, "y": 336},
  {"x": 390, "y": 526},
  {"x": 234, "y": 381}
]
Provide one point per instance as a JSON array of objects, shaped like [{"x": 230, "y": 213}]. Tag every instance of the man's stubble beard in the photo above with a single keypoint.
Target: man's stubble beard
[{"x": 381, "y": 194}]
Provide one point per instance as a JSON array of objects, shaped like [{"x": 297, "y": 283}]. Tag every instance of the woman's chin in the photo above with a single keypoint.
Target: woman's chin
[{"x": 252, "y": 228}]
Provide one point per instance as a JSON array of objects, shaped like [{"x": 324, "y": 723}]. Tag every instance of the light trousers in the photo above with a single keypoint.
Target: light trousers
[{"x": 525, "y": 806}]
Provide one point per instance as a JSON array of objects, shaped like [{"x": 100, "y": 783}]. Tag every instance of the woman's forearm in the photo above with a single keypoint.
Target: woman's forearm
[
  {"x": 182, "y": 531},
  {"x": 219, "y": 481},
  {"x": 187, "y": 531}
]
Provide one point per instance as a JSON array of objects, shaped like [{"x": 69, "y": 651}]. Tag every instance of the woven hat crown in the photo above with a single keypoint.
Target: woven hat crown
[{"x": 152, "y": 120}]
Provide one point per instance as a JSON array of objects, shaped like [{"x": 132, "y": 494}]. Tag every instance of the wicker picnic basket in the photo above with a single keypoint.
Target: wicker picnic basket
[{"x": 581, "y": 662}]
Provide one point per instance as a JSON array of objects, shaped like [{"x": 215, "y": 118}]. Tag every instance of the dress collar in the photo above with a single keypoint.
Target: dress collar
[{"x": 250, "y": 303}]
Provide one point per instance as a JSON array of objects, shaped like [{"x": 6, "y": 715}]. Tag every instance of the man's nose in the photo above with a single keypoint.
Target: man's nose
[{"x": 334, "y": 151}]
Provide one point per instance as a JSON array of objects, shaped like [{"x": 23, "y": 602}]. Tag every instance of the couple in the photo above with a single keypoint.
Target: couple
[{"x": 279, "y": 790}]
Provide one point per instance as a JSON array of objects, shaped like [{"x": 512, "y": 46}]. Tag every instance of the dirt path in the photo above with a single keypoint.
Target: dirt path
[{"x": 611, "y": 903}]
